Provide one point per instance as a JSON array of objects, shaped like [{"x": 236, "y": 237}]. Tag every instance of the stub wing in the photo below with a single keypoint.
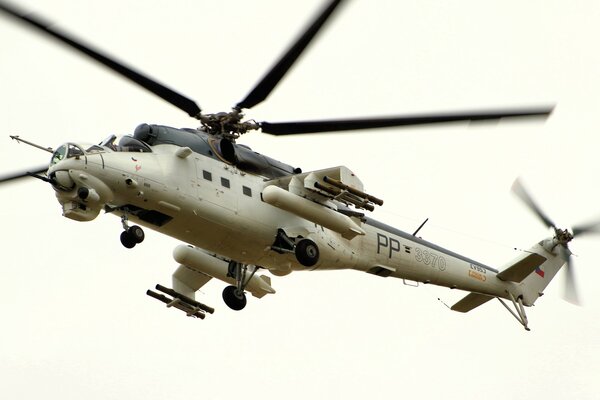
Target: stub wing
[
  {"x": 337, "y": 183},
  {"x": 197, "y": 267},
  {"x": 187, "y": 280},
  {"x": 318, "y": 195}
]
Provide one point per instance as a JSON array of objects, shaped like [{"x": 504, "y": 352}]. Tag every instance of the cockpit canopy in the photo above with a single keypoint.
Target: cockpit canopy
[
  {"x": 125, "y": 144},
  {"x": 129, "y": 143},
  {"x": 70, "y": 150}
]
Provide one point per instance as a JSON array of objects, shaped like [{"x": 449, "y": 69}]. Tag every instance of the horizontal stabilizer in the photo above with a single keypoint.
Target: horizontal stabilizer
[
  {"x": 522, "y": 268},
  {"x": 471, "y": 301}
]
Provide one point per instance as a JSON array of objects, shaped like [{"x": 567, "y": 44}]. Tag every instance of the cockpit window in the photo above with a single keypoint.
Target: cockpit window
[
  {"x": 95, "y": 149},
  {"x": 66, "y": 151},
  {"x": 70, "y": 150},
  {"x": 125, "y": 143},
  {"x": 109, "y": 142},
  {"x": 59, "y": 154},
  {"x": 129, "y": 143},
  {"x": 74, "y": 151}
]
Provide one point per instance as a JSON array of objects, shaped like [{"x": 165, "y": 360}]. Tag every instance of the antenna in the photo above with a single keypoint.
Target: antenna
[{"x": 420, "y": 226}]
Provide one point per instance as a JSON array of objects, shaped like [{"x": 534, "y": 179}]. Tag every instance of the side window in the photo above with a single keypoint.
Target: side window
[
  {"x": 247, "y": 191},
  {"x": 207, "y": 175},
  {"x": 225, "y": 182}
]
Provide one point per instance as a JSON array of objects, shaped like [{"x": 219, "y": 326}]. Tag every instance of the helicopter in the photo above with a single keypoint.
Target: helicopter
[{"x": 239, "y": 211}]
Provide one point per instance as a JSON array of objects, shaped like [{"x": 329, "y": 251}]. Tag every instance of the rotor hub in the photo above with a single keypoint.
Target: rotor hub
[
  {"x": 228, "y": 125},
  {"x": 563, "y": 236}
]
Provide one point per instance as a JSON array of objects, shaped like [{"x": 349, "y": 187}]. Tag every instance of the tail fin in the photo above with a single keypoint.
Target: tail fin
[
  {"x": 534, "y": 271},
  {"x": 527, "y": 276}
]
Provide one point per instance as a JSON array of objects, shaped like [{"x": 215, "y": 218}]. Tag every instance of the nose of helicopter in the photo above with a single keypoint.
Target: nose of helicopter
[
  {"x": 81, "y": 193},
  {"x": 64, "y": 158}
]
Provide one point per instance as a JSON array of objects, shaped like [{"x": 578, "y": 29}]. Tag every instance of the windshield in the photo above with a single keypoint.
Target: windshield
[
  {"x": 67, "y": 150},
  {"x": 59, "y": 154},
  {"x": 70, "y": 150}
]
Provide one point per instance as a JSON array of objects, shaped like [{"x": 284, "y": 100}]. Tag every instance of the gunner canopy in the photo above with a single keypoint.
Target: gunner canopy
[{"x": 125, "y": 144}]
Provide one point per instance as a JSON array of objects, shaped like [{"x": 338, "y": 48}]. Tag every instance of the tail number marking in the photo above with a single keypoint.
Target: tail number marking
[
  {"x": 423, "y": 256},
  {"x": 429, "y": 258},
  {"x": 391, "y": 244}
]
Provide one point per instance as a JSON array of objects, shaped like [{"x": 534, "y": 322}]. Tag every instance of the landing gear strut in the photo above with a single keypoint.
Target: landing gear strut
[
  {"x": 520, "y": 310},
  {"x": 131, "y": 235},
  {"x": 234, "y": 295}
]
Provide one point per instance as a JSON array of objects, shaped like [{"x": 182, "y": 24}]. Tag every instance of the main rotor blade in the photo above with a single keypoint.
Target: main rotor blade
[
  {"x": 147, "y": 83},
  {"x": 11, "y": 176},
  {"x": 272, "y": 78},
  {"x": 519, "y": 190},
  {"x": 299, "y": 127}
]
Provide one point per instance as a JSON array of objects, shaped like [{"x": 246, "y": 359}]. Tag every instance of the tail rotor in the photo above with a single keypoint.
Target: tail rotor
[{"x": 562, "y": 237}]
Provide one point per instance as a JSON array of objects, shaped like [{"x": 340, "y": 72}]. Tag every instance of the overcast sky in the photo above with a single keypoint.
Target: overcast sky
[{"x": 75, "y": 320}]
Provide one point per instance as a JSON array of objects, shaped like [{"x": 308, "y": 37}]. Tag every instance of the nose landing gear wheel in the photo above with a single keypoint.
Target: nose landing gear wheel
[
  {"x": 136, "y": 233},
  {"x": 127, "y": 240},
  {"x": 234, "y": 298},
  {"x": 132, "y": 236}
]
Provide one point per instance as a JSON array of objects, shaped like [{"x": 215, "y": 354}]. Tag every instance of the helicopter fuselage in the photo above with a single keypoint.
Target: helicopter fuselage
[{"x": 219, "y": 208}]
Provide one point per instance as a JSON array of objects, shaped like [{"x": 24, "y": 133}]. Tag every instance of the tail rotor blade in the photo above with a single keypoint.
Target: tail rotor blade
[
  {"x": 593, "y": 227},
  {"x": 570, "y": 290},
  {"x": 571, "y": 294},
  {"x": 520, "y": 191}
]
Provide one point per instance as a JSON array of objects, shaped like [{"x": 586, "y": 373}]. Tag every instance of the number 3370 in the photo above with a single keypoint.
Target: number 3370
[{"x": 428, "y": 258}]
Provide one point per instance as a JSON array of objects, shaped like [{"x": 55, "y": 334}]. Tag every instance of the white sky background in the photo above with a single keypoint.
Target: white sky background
[{"x": 75, "y": 320}]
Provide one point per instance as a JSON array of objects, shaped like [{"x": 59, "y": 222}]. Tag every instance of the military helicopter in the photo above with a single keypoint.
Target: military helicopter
[{"x": 239, "y": 211}]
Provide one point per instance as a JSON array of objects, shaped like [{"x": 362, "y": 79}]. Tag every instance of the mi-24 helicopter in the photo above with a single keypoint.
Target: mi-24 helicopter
[{"x": 239, "y": 211}]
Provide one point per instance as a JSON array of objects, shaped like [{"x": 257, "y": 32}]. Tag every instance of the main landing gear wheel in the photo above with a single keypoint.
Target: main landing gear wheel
[
  {"x": 307, "y": 252},
  {"x": 234, "y": 298},
  {"x": 132, "y": 236}
]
